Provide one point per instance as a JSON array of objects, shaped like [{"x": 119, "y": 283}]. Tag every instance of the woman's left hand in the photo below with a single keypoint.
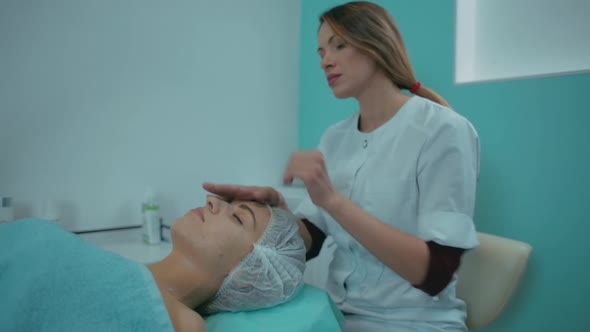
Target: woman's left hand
[{"x": 310, "y": 167}]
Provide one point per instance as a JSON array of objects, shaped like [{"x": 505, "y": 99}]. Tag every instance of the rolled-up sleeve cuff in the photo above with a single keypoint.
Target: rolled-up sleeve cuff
[
  {"x": 448, "y": 228},
  {"x": 307, "y": 210}
]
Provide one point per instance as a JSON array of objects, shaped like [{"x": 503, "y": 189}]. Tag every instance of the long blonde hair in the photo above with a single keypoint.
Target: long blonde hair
[{"x": 371, "y": 29}]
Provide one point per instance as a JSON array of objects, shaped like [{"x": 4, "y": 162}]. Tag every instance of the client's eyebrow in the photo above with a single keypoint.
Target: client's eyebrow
[{"x": 244, "y": 206}]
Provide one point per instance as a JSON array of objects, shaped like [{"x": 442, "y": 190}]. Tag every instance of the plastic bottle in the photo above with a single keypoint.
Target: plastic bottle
[
  {"x": 6, "y": 212},
  {"x": 151, "y": 218}
]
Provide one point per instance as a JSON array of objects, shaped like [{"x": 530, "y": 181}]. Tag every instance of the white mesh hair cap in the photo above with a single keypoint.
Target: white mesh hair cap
[{"x": 270, "y": 275}]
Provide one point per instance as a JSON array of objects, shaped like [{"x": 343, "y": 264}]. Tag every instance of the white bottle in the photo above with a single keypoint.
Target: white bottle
[
  {"x": 151, "y": 219},
  {"x": 6, "y": 212}
]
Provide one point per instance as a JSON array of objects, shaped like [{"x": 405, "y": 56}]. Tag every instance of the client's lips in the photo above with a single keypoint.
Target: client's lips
[{"x": 199, "y": 212}]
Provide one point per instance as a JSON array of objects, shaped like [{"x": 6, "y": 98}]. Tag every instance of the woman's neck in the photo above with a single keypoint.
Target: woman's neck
[
  {"x": 180, "y": 277},
  {"x": 379, "y": 101}
]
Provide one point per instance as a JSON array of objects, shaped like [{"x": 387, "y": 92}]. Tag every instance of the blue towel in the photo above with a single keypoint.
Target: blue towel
[
  {"x": 52, "y": 280},
  {"x": 310, "y": 310}
]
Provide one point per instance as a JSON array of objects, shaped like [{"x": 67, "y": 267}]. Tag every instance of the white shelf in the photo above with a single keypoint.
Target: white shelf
[{"x": 514, "y": 39}]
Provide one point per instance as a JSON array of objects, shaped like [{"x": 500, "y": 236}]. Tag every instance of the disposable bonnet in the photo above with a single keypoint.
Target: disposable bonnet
[{"x": 271, "y": 274}]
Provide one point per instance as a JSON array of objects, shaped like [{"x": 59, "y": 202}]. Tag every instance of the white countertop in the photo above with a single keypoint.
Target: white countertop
[{"x": 129, "y": 244}]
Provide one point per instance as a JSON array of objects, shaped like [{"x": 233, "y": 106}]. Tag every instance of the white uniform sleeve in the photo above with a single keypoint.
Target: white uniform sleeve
[
  {"x": 306, "y": 209},
  {"x": 448, "y": 170}
]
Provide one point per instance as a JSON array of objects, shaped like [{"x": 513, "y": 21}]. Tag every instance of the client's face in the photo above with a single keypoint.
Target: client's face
[{"x": 219, "y": 235}]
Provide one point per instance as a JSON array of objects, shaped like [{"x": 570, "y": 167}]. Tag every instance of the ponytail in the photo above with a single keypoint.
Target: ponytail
[{"x": 429, "y": 94}]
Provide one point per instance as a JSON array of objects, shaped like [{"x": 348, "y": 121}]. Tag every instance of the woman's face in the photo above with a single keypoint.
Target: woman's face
[
  {"x": 219, "y": 235},
  {"x": 347, "y": 70}
]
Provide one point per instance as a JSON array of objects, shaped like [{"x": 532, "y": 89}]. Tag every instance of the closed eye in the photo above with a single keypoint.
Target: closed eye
[{"x": 238, "y": 219}]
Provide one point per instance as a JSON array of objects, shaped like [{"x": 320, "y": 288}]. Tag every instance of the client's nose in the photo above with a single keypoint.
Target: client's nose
[{"x": 215, "y": 204}]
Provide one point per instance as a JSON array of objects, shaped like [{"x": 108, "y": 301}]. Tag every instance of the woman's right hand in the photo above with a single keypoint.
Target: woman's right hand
[{"x": 266, "y": 195}]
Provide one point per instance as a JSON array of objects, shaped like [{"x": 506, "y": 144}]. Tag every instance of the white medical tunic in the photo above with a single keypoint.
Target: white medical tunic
[{"x": 417, "y": 173}]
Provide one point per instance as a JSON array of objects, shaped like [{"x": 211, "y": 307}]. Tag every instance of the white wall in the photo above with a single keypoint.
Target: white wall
[
  {"x": 99, "y": 99},
  {"x": 508, "y": 39}
]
